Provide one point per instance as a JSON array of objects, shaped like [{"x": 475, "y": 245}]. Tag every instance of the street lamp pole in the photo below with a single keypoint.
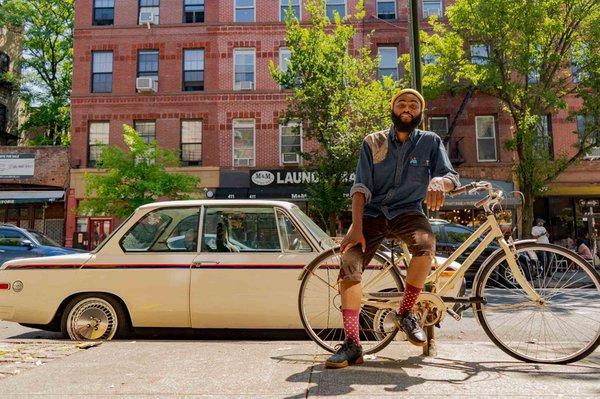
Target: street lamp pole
[{"x": 415, "y": 48}]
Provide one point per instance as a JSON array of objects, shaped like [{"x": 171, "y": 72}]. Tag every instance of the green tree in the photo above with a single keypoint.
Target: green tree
[
  {"x": 134, "y": 177},
  {"x": 532, "y": 48},
  {"x": 337, "y": 96},
  {"x": 46, "y": 27}
]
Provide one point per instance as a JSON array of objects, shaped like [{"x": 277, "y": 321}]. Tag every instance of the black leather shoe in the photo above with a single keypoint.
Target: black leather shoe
[
  {"x": 410, "y": 326},
  {"x": 348, "y": 353}
]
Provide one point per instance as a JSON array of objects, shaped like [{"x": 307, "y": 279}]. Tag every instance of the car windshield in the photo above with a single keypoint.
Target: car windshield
[
  {"x": 324, "y": 240},
  {"x": 43, "y": 240}
]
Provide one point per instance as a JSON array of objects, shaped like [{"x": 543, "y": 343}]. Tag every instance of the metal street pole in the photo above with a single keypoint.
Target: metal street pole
[
  {"x": 415, "y": 47},
  {"x": 429, "y": 349}
]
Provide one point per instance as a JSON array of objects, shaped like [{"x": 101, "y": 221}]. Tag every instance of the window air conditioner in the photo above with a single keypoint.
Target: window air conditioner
[
  {"x": 433, "y": 12},
  {"x": 148, "y": 17},
  {"x": 146, "y": 83},
  {"x": 290, "y": 157},
  {"x": 244, "y": 86}
]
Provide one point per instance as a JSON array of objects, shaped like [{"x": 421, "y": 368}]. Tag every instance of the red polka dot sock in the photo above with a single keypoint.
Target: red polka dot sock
[
  {"x": 351, "y": 328},
  {"x": 411, "y": 293}
]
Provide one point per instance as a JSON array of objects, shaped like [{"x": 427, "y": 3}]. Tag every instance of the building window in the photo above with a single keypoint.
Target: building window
[
  {"x": 146, "y": 130},
  {"x": 102, "y": 67},
  {"x": 388, "y": 62},
  {"x": 104, "y": 12},
  {"x": 589, "y": 134},
  {"x": 191, "y": 143},
  {"x": 243, "y": 142},
  {"x": 244, "y": 69},
  {"x": 533, "y": 77},
  {"x": 429, "y": 59},
  {"x": 480, "y": 54},
  {"x": 4, "y": 62},
  {"x": 284, "y": 7},
  {"x": 290, "y": 143},
  {"x": 147, "y": 63},
  {"x": 244, "y": 11},
  {"x": 149, "y": 11},
  {"x": 439, "y": 125},
  {"x": 543, "y": 141},
  {"x": 432, "y": 8},
  {"x": 193, "y": 70},
  {"x": 97, "y": 139},
  {"x": 485, "y": 126},
  {"x": 386, "y": 9},
  {"x": 333, "y": 6},
  {"x": 193, "y": 11},
  {"x": 284, "y": 55}
]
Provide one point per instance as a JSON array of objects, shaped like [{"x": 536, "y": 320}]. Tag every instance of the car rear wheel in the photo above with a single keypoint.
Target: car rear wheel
[{"x": 92, "y": 317}]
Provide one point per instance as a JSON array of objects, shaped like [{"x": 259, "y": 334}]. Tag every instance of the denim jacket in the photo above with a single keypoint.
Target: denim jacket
[{"x": 394, "y": 176}]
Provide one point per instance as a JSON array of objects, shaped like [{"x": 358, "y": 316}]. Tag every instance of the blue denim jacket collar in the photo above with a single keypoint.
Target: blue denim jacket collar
[{"x": 411, "y": 138}]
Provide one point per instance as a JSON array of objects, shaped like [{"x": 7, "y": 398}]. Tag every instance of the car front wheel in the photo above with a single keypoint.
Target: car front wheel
[{"x": 91, "y": 317}]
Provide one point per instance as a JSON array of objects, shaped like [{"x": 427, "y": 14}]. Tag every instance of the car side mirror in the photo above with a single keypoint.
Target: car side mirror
[{"x": 27, "y": 243}]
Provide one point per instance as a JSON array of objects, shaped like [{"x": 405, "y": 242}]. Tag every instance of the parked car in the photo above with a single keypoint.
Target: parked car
[
  {"x": 178, "y": 264},
  {"x": 16, "y": 242}
]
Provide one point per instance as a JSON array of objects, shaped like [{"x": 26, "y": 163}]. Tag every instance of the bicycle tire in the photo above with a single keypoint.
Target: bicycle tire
[
  {"x": 310, "y": 269},
  {"x": 497, "y": 261}
]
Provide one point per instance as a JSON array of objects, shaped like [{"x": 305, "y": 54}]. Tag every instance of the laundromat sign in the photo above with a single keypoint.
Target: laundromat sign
[{"x": 286, "y": 177}]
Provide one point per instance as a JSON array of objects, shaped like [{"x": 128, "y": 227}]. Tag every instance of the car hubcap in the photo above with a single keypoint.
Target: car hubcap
[{"x": 92, "y": 319}]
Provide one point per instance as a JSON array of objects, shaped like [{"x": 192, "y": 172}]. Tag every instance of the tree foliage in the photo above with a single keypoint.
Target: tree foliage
[
  {"x": 134, "y": 177},
  {"x": 46, "y": 27},
  {"x": 533, "y": 48},
  {"x": 336, "y": 94}
]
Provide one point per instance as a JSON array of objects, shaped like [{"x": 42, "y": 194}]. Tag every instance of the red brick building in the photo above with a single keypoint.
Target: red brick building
[{"x": 193, "y": 74}]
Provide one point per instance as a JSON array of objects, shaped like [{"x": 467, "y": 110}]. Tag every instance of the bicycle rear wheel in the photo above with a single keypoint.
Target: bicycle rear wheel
[
  {"x": 564, "y": 328},
  {"x": 319, "y": 302}
]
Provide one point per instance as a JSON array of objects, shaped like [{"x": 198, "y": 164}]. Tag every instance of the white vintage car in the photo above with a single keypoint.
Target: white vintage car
[{"x": 177, "y": 264}]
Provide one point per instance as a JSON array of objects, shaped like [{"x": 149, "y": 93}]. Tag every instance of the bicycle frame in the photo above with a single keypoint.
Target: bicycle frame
[{"x": 493, "y": 233}]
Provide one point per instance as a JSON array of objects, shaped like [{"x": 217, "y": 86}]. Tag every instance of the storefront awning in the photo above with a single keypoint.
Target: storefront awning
[{"x": 27, "y": 197}]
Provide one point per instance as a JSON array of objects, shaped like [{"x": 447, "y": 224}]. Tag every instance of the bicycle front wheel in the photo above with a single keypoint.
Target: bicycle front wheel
[
  {"x": 320, "y": 304},
  {"x": 564, "y": 328}
]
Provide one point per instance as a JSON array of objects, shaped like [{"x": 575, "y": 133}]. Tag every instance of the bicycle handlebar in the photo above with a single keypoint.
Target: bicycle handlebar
[{"x": 475, "y": 186}]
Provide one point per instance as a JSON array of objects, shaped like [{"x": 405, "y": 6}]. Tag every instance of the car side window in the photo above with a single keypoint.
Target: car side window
[
  {"x": 457, "y": 234},
  {"x": 164, "y": 230},
  {"x": 240, "y": 229},
  {"x": 437, "y": 232},
  {"x": 291, "y": 237},
  {"x": 11, "y": 237}
]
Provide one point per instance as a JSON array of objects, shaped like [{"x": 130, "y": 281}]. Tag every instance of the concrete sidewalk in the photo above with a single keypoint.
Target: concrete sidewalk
[{"x": 177, "y": 369}]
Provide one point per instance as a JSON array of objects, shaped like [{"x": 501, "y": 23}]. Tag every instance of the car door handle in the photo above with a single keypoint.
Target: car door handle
[{"x": 202, "y": 262}]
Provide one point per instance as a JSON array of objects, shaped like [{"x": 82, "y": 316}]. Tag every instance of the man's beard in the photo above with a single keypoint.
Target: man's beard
[{"x": 406, "y": 126}]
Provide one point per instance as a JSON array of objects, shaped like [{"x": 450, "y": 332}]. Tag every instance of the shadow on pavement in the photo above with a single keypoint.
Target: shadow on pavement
[{"x": 390, "y": 373}]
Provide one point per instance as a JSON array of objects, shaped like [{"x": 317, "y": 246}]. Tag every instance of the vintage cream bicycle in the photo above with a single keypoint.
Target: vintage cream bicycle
[{"x": 547, "y": 310}]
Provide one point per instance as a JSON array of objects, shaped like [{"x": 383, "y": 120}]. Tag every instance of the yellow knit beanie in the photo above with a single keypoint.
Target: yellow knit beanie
[{"x": 411, "y": 91}]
